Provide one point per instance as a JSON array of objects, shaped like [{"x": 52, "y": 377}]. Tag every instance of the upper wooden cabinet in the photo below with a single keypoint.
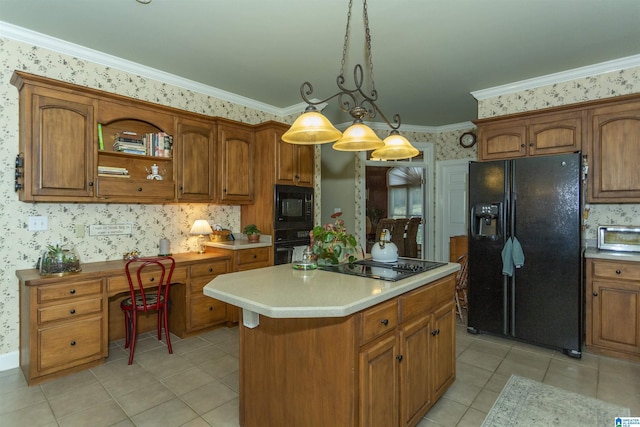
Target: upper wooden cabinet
[
  {"x": 67, "y": 135},
  {"x": 294, "y": 163},
  {"x": 236, "y": 151},
  {"x": 614, "y": 148},
  {"x": 530, "y": 135},
  {"x": 195, "y": 159},
  {"x": 57, "y": 136}
]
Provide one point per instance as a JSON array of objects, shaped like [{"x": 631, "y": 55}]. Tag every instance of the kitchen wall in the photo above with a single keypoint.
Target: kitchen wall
[
  {"x": 20, "y": 248},
  {"x": 607, "y": 85}
]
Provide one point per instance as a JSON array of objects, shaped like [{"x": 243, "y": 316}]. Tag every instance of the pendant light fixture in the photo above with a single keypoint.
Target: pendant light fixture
[{"x": 313, "y": 128}]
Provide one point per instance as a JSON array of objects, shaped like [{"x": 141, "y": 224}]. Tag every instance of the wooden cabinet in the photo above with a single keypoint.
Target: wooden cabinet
[
  {"x": 193, "y": 311},
  {"x": 614, "y": 152},
  {"x": 195, "y": 160},
  {"x": 294, "y": 163},
  {"x": 530, "y": 135},
  {"x": 66, "y": 323},
  {"x": 458, "y": 245},
  {"x": 60, "y": 145},
  {"x": 56, "y": 141},
  {"x": 383, "y": 366},
  {"x": 68, "y": 329},
  {"x": 236, "y": 151},
  {"x": 613, "y": 308},
  {"x": 242, "y": 260}
]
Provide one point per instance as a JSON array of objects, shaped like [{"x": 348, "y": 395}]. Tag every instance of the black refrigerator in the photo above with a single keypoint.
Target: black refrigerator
[{"x": 537, "y": 200}]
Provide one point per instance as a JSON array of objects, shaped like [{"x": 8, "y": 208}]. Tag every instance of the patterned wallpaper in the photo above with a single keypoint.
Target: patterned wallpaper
[
  {"x": 607, "y": 85},
  {"x": 20, "y": 248}
]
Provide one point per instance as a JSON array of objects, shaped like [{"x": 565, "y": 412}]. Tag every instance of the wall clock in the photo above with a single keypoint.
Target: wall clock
[{"x": 468, "y": 139}]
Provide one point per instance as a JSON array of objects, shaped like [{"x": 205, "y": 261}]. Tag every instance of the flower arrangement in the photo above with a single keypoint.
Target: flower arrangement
[{"x": 331, "y": 244}]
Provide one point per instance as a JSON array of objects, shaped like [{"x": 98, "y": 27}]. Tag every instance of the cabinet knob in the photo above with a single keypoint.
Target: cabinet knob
[
  {"x": 618, "y": 272},
  {"x": 72, "y": 343},
  {"x": 72, "y": 311},
  {"x": 211, "y": 270},
  {"x": 522, "y": 145},
  {"x": 72, "y": 291},
  {"x": 435, "y": 332},
  {"x": 531, "y": 144},
  {"x": 595, "y": 294},
  {"x": 210, "y": 308},
  {"x": 399, "y": 357},
  {"x": 385, "y": 322},
  {"x": 255, "y": 256},
  {"x": 152, "y": 279},
  {"x": 90, "y": 183},
  {"x": 139, "y": 188}
]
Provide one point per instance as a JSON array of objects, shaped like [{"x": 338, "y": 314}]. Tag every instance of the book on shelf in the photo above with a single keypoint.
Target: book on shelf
[
  {"x": 100, "y": 139},
  {"x": 112, "y": 170},
  {"x": 111, "y": 175}
]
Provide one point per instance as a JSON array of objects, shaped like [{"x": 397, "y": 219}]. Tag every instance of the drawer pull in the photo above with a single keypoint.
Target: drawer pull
[
  {"x": 255, "y": 256},
  {"x": 385, "y": 322},
  {"x": 139, "y": 188},
  {"x": 72, "y": 311},
  {"x": 72, "y": 291},
  {"x": 435, "y": 332},
  {"x": 618, "y": 272},
  {"x": 595, "y": 294},
  {"x": 72, "y": 343},
  {"x": 210, "y": 269},
  {"x": 399, "y": 357},
  {"x": 210, "y": 308},
  {"x": 152, "y": 279}
]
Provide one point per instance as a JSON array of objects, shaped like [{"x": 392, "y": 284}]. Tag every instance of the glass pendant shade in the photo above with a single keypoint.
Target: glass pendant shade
[
  {"x": 311, "y": 128},
  {"x": 396, "y": 147},
  {"x": 358, "y": 137}
]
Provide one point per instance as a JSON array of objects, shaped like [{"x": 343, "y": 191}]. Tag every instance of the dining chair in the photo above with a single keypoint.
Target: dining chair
[
  {"x": 154, "y": 274},
  {"x": 462, "y": 280}
]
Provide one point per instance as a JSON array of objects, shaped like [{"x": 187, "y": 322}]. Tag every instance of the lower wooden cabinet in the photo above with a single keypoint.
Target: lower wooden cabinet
[
  {"x": 613, "y": 308},
  {"x": 383, "y": 366},
  {"x": 242, "y": 260},
  {"x": 64, "y": 329},
  {"x": 67, "y": 322},
  {"x": 404, "y": 372},
  {"x": 192, "y": 311}
]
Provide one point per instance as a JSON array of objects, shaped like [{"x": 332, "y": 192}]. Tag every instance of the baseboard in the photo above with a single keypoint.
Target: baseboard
[{"x": 9, "y": 360}]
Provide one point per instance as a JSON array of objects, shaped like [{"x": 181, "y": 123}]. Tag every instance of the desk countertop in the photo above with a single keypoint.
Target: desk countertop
[
  {"x": 240, "y": 243},
  {"x": 282, "y": 292}
]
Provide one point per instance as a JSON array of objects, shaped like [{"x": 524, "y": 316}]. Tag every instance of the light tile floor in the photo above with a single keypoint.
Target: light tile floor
[{"x": 198, "y": 384}]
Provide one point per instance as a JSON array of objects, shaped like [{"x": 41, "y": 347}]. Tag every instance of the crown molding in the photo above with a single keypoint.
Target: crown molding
[
  {"x": 563, "y": 76},
  {"x": 57, "y": 45},
  {"x": 81, "y": 52}
]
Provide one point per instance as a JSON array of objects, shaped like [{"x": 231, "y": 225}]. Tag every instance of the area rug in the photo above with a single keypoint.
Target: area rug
[{"x": 525, "y": 402}]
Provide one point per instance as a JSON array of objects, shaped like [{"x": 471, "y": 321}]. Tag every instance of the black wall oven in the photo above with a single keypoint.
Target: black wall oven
[{"x": 293, "y": 220}]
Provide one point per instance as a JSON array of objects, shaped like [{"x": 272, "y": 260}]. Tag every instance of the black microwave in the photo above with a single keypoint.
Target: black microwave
[{"x": 293, "y": 207}]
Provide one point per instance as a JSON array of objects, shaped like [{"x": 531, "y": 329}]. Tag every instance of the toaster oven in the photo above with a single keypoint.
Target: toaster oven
[{"x": 619, "y": 238}]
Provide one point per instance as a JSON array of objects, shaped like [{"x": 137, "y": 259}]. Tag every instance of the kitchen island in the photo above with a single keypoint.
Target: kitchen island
[{"x": 319, "y": 348}]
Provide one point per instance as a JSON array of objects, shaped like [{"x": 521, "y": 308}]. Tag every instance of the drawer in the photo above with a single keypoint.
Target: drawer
[
  {"x": 71, "y": 344},
  {"x": 70, "y": 290},
  {"x": 379, "y": 320},
  {"x": 616, "y": 270},
  {"x": 210, "y": 268},
  {"x": 69, "y": 310},
  {"x": 119, "y": 284},
  {"x": 206, "y": 311},
  {"x": 427, "y": 298},
  {"x": 249, "y": 256},
  {"x": 143, "y": 188}
]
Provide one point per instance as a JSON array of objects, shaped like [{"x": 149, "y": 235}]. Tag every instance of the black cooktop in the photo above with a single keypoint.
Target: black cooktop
[{"x": 390, "y": 271}]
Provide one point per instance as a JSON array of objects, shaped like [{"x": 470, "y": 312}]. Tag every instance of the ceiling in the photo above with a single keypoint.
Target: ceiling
[{"x": 428, "y": 55}]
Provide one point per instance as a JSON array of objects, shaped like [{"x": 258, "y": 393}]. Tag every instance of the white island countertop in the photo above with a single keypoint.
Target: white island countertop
[{"x": 282, "y": 292}]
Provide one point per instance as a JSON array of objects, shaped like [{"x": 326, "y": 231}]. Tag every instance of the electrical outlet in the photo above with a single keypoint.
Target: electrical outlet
[{"x": 38, "y": 223}]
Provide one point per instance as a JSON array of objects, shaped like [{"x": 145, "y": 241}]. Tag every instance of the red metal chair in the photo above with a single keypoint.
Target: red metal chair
[{"x": 158, "y": 272}]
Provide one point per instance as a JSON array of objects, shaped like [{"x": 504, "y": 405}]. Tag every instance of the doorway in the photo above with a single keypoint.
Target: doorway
[{"x": 401, "y": 189}]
